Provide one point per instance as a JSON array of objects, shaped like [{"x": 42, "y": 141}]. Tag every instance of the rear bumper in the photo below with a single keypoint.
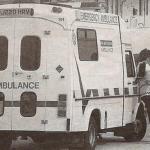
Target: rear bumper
[{"x": 72, "y": 139}]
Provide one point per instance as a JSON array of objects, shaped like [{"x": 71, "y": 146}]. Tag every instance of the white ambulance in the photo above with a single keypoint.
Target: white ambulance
[{"x": 66, "y": 75}]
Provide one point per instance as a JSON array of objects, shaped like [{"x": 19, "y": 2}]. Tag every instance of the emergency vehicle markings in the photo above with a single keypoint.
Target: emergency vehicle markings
[
  {"x": 19, "y": 85},
  {"x": 93, "y": 94},
  {"x": 38, "y": 104},
  {"x": 59, "y": 68},
  {"x": 96, "y": 18},
  {"x": 106, "y": 46}
]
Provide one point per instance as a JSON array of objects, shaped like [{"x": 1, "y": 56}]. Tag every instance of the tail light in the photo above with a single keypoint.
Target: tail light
[
  {"x": 2, "y": 99},
  {"x": 28, "y": 104},
  {"x": 62, "y": 105}
]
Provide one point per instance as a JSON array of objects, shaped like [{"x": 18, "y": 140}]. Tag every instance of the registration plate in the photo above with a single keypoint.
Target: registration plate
[{"x": 17, "y": 12}]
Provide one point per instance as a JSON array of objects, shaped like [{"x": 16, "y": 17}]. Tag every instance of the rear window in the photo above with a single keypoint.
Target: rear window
[
  {"x": 3, "y": 52},
  {"x": 30, "y": 53},
  {"x": 28, "y": 104}
]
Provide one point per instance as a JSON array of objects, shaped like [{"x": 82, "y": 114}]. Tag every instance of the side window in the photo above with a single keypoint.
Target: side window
[
  {"x": 87, "y": 45},
  {"x": 30, "y": 53},
  {"x": 129, "y": 64},
  {"x": 3, "y": 52}
]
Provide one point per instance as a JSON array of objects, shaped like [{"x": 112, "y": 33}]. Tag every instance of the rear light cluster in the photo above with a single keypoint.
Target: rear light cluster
[
  {"x": 62, "y": 103},
  {"x": 2, "y": 99},
  {"x": 28, "y": 104}
]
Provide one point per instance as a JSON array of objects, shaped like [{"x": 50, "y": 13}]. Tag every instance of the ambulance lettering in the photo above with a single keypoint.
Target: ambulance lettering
[
  {"x": 20, "y": 85},
  {"x": 97, "y": 18},
  {"x": 109, "y": 19}
]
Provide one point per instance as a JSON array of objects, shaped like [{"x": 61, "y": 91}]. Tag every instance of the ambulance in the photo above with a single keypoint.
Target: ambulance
[{"x": 66, "y": 75}]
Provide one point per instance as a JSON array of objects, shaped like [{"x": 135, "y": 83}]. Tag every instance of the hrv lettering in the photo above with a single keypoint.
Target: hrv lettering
[
  {"x": 17, "y": 12},
  {"x": 19, "y": 85}
]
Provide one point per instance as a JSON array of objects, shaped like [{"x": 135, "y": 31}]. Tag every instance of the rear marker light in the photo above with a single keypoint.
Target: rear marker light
[
  {"x": 62, "y": 99},
  {"x": 68, "y": 125},
  {"x": 2, "y": 98}
]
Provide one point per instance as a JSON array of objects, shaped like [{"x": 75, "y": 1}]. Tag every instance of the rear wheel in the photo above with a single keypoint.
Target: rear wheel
[
  {"x": 91, "y": 136},
  {"x": 139, "y": 129}
]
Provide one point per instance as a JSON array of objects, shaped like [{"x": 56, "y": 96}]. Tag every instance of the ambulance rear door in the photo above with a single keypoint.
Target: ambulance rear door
[
  {"x": 6, "y": 70},
  {"x": 29, "y": 71}
]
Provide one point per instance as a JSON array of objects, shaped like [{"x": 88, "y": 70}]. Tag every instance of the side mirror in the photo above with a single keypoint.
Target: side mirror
[{"x": 141, "y": 70}]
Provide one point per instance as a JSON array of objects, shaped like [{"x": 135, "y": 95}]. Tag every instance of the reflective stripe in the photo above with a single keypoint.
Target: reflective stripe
[
  {"x": 116, "y": 91},
  {"x": 106, "y": 97},
  {"x": 39, "y": 103},
  {"x": 107, "y": 93},
  {"x": 126, "y": 90},
  {"x": 135, "y": 90}
]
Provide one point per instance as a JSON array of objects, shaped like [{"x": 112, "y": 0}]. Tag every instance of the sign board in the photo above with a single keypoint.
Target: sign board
[
  {"x": 106, "y": 46},
  {"x": 106, "y": 43},
  {"x": 17, "y": 12},
  {"x": 96, "y": 17}
]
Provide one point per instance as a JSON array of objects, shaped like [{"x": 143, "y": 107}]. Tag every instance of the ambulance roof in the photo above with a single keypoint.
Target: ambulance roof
[{"x": 62, "y": 15}]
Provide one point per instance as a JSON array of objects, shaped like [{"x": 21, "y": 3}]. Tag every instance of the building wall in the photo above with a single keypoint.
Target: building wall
[{"x": 136, "y": 13}]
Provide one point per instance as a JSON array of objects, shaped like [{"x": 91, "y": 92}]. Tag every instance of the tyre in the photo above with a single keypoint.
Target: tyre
[
  {"x": 91, "y": 136},
  {"x": 139, "y": 131}
]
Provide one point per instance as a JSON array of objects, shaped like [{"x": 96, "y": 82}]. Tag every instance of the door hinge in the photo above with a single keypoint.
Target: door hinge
[
  {"x": 45, "y": 76},
  {"x": 44, "y": 122}
]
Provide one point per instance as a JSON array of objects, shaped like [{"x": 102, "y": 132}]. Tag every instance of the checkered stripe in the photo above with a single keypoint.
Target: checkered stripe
[{"x": 107, "y": 92}]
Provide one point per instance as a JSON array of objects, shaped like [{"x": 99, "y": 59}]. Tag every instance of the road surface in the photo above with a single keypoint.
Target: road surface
[{"x": 109, "y": 142}]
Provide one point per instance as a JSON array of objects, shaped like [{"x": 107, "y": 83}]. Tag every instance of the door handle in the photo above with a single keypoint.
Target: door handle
[
  {"x": 18, "y": 73},
  {"x": 129, "y": 83}
]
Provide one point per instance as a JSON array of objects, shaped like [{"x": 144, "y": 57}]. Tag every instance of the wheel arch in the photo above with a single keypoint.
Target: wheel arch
[
  {"x": 140, "y": 108},
  {"x": 96, "y": 114}
]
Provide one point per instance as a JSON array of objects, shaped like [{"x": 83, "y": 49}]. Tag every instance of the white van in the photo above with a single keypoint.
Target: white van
[{"x": 66, "y": 75}]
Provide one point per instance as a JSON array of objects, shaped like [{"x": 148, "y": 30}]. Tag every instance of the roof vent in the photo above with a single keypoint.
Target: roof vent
[{"x": 90, "y": 6}]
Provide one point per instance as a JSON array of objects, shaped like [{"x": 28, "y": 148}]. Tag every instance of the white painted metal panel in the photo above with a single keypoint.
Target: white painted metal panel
[
  {"x": 6, "y": 76},
  {"x": 30, "y": 27}
]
